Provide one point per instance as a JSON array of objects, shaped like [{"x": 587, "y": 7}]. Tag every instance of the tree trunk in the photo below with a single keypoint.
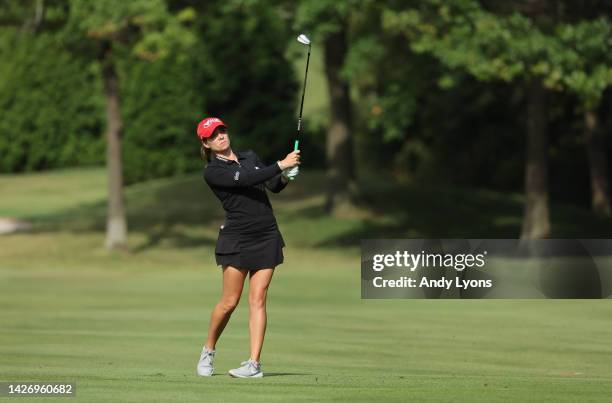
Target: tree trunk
[
  {"x": 339, "y": 147},
  {"x": 536, "y": 220},
  {"x": 598, "y": 163},
  {"x": 116, "y": 226},
  {"x": 33, "y": 25}
]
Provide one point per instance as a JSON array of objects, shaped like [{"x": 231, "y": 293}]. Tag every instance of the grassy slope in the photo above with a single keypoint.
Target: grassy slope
[{"x": 129, "y": 327}]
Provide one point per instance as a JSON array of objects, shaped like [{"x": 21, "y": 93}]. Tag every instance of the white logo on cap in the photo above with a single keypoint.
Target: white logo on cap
[{"x": 210, "y": 122}]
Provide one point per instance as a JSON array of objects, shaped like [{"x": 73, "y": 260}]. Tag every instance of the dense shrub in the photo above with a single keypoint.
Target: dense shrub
[
  {"x": 160, "y": 108},
  {"x": 51, "y": 106}
]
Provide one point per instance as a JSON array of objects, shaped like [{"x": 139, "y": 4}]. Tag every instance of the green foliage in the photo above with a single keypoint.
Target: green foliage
[
  {"x": 323, "y": 17},
  {"x": 387, "y": 84},
  {"x": 145, "y": 26},
  {"x": 50, "y": 106},
  {"x": 588, "y": 59},
  {"x": 160, "y": 105},
  {"x": 463, "y": 36},
  {"x": 388, "y": 87}
]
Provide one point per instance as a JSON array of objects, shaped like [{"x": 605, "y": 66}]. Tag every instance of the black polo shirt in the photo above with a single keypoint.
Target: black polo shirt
[{"x": 241, "y": 186}]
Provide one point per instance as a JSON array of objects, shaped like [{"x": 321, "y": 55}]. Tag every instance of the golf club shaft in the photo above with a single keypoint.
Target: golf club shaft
[{"x": 299, "y": 128}]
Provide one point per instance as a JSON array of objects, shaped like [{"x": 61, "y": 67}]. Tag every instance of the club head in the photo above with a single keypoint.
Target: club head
[{"x": 303, "y": 39}]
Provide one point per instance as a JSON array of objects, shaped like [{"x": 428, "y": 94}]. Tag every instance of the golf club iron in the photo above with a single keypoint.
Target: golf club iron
[{"x": 303, "y": 39}]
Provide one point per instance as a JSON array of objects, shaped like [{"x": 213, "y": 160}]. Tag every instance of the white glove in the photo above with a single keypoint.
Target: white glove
[{"x": 291, "y": 173}]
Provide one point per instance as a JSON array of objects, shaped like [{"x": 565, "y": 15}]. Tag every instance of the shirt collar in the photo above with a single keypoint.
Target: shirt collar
[{"x": 239, "y": 154}]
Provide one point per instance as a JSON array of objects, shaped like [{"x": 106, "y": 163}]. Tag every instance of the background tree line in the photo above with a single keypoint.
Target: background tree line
[{"x": 512, "y": 96}]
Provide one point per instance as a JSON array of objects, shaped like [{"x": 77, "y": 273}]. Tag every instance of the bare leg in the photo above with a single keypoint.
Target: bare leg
[
  {"x": 258, "y": 290},
  {"x": 233, "y": 281}
]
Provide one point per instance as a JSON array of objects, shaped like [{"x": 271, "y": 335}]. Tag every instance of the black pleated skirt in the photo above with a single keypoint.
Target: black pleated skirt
[{"x": 253, "y": 243}]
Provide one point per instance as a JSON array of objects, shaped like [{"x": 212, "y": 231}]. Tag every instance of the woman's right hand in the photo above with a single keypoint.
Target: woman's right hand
[{"x": 291, "y": 160}]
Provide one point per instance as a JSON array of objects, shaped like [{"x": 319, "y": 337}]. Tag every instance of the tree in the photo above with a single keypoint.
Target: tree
[
  {"x": 105, "y": 31},
  {"x": 519, "y": 45},
  {"x": 328, "y": 22},
  {"x": 586, "y": 73},
  {"x": 536, "y": 219}
]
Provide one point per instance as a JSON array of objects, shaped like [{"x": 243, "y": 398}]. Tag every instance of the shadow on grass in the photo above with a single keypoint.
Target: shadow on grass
[
  {"x": 183, "y": 212},
  {"x": 174, "y": 210},
  {"x": 410, "y": 211}
]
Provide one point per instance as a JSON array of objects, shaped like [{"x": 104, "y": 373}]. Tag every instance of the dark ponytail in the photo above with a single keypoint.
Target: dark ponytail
[{"x": 205, "y": 153}]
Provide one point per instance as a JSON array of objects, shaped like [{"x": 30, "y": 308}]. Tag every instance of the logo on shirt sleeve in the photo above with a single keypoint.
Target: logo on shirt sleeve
[{"x": 237, "y": 175}]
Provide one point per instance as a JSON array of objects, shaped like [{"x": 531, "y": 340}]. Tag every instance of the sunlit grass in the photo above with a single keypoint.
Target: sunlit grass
[{"x": 129, "y": 326}]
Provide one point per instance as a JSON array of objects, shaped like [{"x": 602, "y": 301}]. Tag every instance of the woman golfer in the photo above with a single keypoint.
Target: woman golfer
[{"x": 249, "y": 242}]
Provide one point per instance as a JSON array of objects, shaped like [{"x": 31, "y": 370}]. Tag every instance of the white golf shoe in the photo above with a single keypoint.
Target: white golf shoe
[
  {"x": 205, "y": 365},
  {"x": 248, "y": 369}
]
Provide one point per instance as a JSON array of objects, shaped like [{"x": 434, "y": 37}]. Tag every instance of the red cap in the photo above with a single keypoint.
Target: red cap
[{"x": 208, "y": 126}]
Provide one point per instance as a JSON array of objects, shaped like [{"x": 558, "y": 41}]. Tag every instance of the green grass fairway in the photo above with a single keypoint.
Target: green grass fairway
[{"x": 129, "y": 327}]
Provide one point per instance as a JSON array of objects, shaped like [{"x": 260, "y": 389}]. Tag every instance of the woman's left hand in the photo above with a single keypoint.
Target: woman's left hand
[{"x": 291, "y": 173}]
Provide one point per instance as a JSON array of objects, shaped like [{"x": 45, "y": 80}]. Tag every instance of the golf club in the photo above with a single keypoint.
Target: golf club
[{"x": 303, "y": 39}]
